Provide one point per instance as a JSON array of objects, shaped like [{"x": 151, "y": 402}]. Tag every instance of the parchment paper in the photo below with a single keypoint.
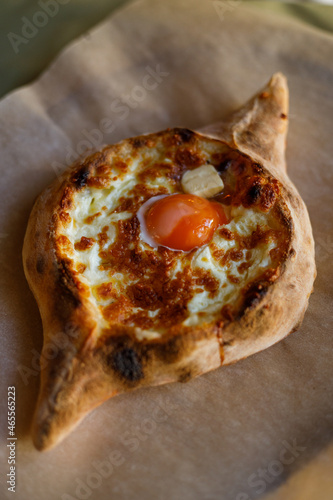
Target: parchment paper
[{"x": 240, "y": 431}]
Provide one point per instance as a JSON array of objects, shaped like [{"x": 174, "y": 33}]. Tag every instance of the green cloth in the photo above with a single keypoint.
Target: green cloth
[{"x": 26, "y": 50}]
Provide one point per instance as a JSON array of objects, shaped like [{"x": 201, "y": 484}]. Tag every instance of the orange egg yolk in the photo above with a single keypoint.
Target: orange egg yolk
[{"x": 183, "y": 221}]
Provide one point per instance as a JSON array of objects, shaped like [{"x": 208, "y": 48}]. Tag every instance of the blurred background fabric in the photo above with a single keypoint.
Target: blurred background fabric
[{"x": 33, "y": 32}]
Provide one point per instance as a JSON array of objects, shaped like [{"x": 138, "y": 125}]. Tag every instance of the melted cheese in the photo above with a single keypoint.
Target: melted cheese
[{"x": 202, "y": 307}]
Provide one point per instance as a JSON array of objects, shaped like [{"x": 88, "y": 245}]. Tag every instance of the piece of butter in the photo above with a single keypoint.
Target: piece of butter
[{"x": 202, "y": 181}]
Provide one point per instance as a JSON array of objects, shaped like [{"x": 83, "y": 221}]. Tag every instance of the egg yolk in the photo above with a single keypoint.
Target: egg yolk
[{"x": 183, "y": 221}]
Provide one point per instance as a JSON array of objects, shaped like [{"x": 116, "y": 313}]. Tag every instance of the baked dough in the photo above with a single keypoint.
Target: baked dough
[{"x": 107, "y": 330}]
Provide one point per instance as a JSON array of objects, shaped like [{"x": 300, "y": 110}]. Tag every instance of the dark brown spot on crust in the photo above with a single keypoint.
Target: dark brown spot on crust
[
  {"x": 178, "y": 136},
  {"x": 254, "y": 295},
  {"x": 139, "y": 142},
  {"x": 170, "y": 351},
  {"x": 292, "y": 252},
  {"x": 185, "y": 134},
  {"x": 297, "y": 326},
  {"x": 80, "y": 177},
  {"x": 227, "y": 313},
  {"x": 68, "y": 296},
  {"x": 185, "y": 375},
  {"x": 256, "y": 291},
  {"x": 126, "y": 362},
  {"x": 223, "y": 165},
  {"x": 254, "y": 193},
  {"x": 257, "y": 168},
  {"x": 40, "y": 264}
]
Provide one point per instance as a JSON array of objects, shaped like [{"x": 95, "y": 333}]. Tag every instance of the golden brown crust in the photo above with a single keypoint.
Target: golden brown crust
[{"x": 81, "y": 369}]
